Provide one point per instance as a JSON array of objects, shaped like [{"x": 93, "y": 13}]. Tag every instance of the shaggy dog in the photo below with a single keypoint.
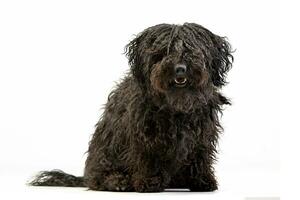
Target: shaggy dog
[{"x": 160, "y": 125}]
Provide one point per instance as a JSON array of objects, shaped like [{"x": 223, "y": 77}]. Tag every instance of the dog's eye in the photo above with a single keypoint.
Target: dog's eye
[{"x": 157, "y": 58}]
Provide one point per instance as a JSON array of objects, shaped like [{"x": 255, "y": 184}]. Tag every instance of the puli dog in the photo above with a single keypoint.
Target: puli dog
[{"x": 160, "y": 126}]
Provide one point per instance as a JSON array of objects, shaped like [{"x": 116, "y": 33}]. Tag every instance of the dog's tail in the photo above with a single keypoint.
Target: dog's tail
[{"x": 57, "y": 178}]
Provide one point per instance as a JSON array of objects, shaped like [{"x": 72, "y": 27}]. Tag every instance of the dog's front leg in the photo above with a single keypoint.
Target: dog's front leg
[
  {"x": 150, "y": 175},
  {"x": 202, "y": 179}
]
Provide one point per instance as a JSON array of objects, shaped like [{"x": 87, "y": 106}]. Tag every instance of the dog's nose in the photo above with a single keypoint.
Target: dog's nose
[{"x": 180, "y": 69}]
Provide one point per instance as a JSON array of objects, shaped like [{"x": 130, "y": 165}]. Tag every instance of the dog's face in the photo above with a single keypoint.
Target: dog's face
[{"x": 183, "y": 65}]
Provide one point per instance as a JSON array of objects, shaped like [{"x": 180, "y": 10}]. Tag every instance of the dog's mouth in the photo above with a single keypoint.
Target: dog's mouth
[{"x": 180, "y": 81}]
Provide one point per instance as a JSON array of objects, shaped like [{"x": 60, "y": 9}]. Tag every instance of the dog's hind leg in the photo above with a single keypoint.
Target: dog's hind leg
[
  {"x": 117, "y": 182},
  {"x": 109, "y": 181}
]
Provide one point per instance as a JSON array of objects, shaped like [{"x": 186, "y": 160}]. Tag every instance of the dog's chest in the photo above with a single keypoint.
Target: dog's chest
[
  {"x": 171, "y": 134},
  {"x": 163, "y": 125}
]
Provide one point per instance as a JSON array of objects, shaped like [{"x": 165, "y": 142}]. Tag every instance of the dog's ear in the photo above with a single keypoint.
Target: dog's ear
[
  {"x": 216, "y": 49},
  {"x": 134, "y": 51},
  {"x": 221, "y": 60}
]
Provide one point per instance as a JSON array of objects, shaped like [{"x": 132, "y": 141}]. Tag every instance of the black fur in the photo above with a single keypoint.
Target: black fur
[{"x": 154, "y": 134}]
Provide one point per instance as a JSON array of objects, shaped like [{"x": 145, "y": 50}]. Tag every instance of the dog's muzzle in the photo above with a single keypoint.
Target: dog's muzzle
[{"x": 180, "y": 75}]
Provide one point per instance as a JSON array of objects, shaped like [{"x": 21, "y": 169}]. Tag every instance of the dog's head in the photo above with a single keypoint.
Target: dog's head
[{"x": 182, "y": 64}]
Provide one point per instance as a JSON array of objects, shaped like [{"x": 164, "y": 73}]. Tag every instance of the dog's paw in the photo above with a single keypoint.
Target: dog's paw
[
  {"x": 153, "y": 184},
  {"x": 207, "y": 185},
  {"x": 117, "y": 182}
]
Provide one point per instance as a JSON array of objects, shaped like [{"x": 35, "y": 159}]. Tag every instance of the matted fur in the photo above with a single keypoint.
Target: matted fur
[{"x": 154, "y": 135}]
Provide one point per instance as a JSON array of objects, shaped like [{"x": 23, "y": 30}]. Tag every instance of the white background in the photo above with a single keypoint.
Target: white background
[{"x": 59, "y": 60}]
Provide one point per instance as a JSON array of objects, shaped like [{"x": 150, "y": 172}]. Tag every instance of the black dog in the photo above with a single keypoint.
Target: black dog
[{"x": 160, "y": 125}]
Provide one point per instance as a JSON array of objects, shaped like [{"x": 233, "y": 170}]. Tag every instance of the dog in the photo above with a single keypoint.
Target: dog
[{"x": 160, "y": 126}]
